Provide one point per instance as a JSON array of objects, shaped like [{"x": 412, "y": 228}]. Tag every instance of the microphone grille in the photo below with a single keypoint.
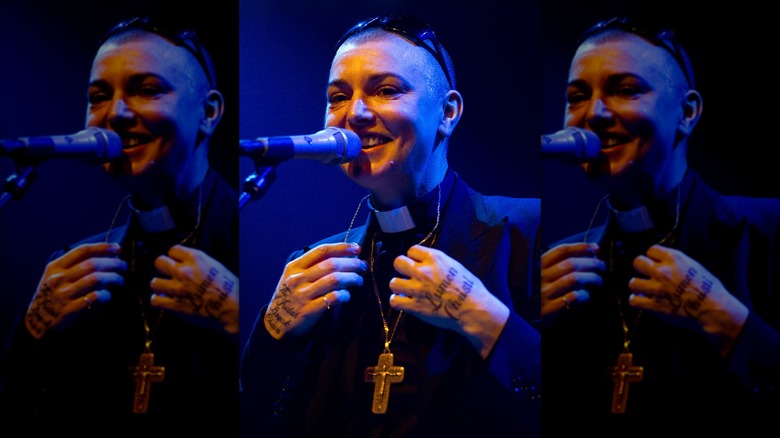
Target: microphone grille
[
  {"x": 591, "y": 145},
  {"x": 109, "y": 141},
  {"x": 348, "y": 142}
]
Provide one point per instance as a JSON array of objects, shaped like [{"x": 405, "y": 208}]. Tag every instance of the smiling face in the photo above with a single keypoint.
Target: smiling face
[
  {"x": 632, "y": 95},
  {"x": 394, "y": 95},
  {"x": 152, "y": 93}
]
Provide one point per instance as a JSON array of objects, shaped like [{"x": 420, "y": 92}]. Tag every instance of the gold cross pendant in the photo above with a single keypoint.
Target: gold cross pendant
[
  {"x": 144, "y": 375},
  {"x": 382, "y": 375},
  {"x": 623, "y": 374}
]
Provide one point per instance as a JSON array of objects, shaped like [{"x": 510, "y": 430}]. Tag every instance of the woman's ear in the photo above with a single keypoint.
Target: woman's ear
[
  {"x": 691, "y": 111},
  {"x": 213, "y": 108},
  {"x": 453, "y": 109}
]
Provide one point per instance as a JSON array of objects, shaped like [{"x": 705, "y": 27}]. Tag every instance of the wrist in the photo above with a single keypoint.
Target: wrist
[
  {"x": 484, "y": 328},
  {"x": 723, "y": 326}
]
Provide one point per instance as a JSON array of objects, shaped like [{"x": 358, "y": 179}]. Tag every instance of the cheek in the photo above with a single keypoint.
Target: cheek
[
  {"x": 159, "y": 120},
  {"x": 332, "y": 119},
  {"x": 96, "y": 117},
  {"x": 656, "y": 137},
  {"x": 415, "y": 156},
  {"x": 574, "y": 117},
  {"x": 176, "y": 129}
]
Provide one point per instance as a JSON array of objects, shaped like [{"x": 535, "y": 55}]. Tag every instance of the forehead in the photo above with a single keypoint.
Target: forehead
[
  {"x": 623, "y": 54},
  {"x": 382, "y": 52},
  {"x": 144, "y": 54}
]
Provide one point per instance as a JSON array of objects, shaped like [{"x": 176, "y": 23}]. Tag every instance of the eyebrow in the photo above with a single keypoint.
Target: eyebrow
[
  {"x": 135, "y": 78},
  {"x": 611, "y": 79},
  {"x": 374, "y": 79}
]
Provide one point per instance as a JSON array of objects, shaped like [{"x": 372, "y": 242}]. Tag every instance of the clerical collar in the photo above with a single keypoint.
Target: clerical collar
[
  {"x": 183, "y": 213},
  {"x": 395, "y": 221},
  {"x": 632, "y": 221},
  {"x": 640, "y": 219},
  {"x": 422, "y": 211},
  {"x": 153, "y": 221}
]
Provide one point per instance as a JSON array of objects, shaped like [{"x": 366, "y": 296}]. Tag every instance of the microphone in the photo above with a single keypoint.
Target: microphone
[
  {"x": 93, "y": 145},
  {"x": 330, "y": 146},
  {"x": 571, "y": 144}
]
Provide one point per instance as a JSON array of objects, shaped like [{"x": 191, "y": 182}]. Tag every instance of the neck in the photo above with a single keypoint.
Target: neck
[
  {"x": 157, "y": 190},
  {"x": 639, "y": 188},
  {"x": 393, "y": 198}
]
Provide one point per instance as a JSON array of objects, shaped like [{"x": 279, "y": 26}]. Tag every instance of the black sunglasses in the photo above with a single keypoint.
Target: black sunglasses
[
  {"x": 412, "y": 28},
  {"x": 185, "y": 38},
  {"x": 660, "y": 36}
]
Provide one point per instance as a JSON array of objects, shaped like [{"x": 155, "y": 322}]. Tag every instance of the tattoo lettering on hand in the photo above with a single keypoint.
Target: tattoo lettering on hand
[
  {"x": 214, "y": 304},
  {"x": 437, "y": 298},
  {"x": 449, "y": 297},
  {"x": 197, "y": 299},
  {"x": 686, "y": 305},
  {"x": 692, "y": 306},
  {"x": 280, "y": 306},
  {"x": 42, "y": 313},
  {"x": 675, "y": 298}
]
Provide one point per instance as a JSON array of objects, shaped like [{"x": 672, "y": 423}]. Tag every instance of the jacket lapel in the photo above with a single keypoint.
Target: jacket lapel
[{"x": 470, "y": 237}]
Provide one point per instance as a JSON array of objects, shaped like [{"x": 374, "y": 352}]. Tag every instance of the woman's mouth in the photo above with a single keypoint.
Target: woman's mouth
[
  {"x": 609, "y": 141},
  {"x": 370, "y": 141},
  {"x": 131, "y": 141}
]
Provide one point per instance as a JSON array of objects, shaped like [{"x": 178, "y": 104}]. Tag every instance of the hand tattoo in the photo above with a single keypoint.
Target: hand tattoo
[
  {"x": 275, "y": 316},
  {"x": 449, "y": 297},
  {"x": 687, "y": 306},
  {"x": 42, "y": 314}
]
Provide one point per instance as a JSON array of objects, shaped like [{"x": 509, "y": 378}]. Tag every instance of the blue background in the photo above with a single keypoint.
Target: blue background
[
  {"x": 286, "y": 50},
  {"x": 511, "y": 62}
]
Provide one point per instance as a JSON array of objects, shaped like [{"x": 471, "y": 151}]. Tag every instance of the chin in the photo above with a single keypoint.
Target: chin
[
  {"x": 358, "y": 168},
  {"x": 119, "y": 168},
  {"x": 621, "y": 168},
  {"x": 141, "y": 168}
]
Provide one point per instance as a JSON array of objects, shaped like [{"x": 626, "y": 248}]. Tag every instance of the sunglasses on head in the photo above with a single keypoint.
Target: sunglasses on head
[
  {"x": 660, "y": 36},
  {"x": 185, "y": 38},
  {"x": 412, "y": 28}
]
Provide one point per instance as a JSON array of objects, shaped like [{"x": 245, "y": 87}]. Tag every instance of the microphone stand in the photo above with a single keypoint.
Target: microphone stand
[
  {"x": 17, "y": 183},
  {"x": 257, "y": 183}
]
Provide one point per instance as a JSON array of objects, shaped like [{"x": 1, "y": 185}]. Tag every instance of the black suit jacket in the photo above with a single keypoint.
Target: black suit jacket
[
  {"x": 78, "y": 379},
  {"x": 688, "y": 387},
  {"x": 497, "y": 240}
]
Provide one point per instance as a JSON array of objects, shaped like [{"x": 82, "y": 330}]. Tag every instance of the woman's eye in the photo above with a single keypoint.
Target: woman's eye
[
  {"x": 388, "y": 91},
  {"x": 150, "y": 91},
  {"x": 95, "y": 98},
  {"x": 628, "y": 91},
  {"x": 575, "y": 97},
  {"x": 336, "y": 98}
]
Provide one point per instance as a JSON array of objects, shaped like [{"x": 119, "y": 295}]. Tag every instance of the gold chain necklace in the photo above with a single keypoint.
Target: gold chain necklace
[
  {"x": 625, "y": 372},
  {"x": 146, "y": 373},
  {"x": 385, "y": 373}
]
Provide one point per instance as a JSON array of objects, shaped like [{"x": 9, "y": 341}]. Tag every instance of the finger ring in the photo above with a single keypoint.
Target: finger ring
[
  {"x": 565, "y": 301},
  {"x": 327, "y": 301},
  {"x": 89, "y": 303}
]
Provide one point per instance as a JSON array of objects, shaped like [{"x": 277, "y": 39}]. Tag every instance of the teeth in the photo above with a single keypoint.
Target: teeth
[
  {"x": 370, "y": 141},
  {"x": 609, "y": 141},
  {"x": 131, "y": 141}
]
